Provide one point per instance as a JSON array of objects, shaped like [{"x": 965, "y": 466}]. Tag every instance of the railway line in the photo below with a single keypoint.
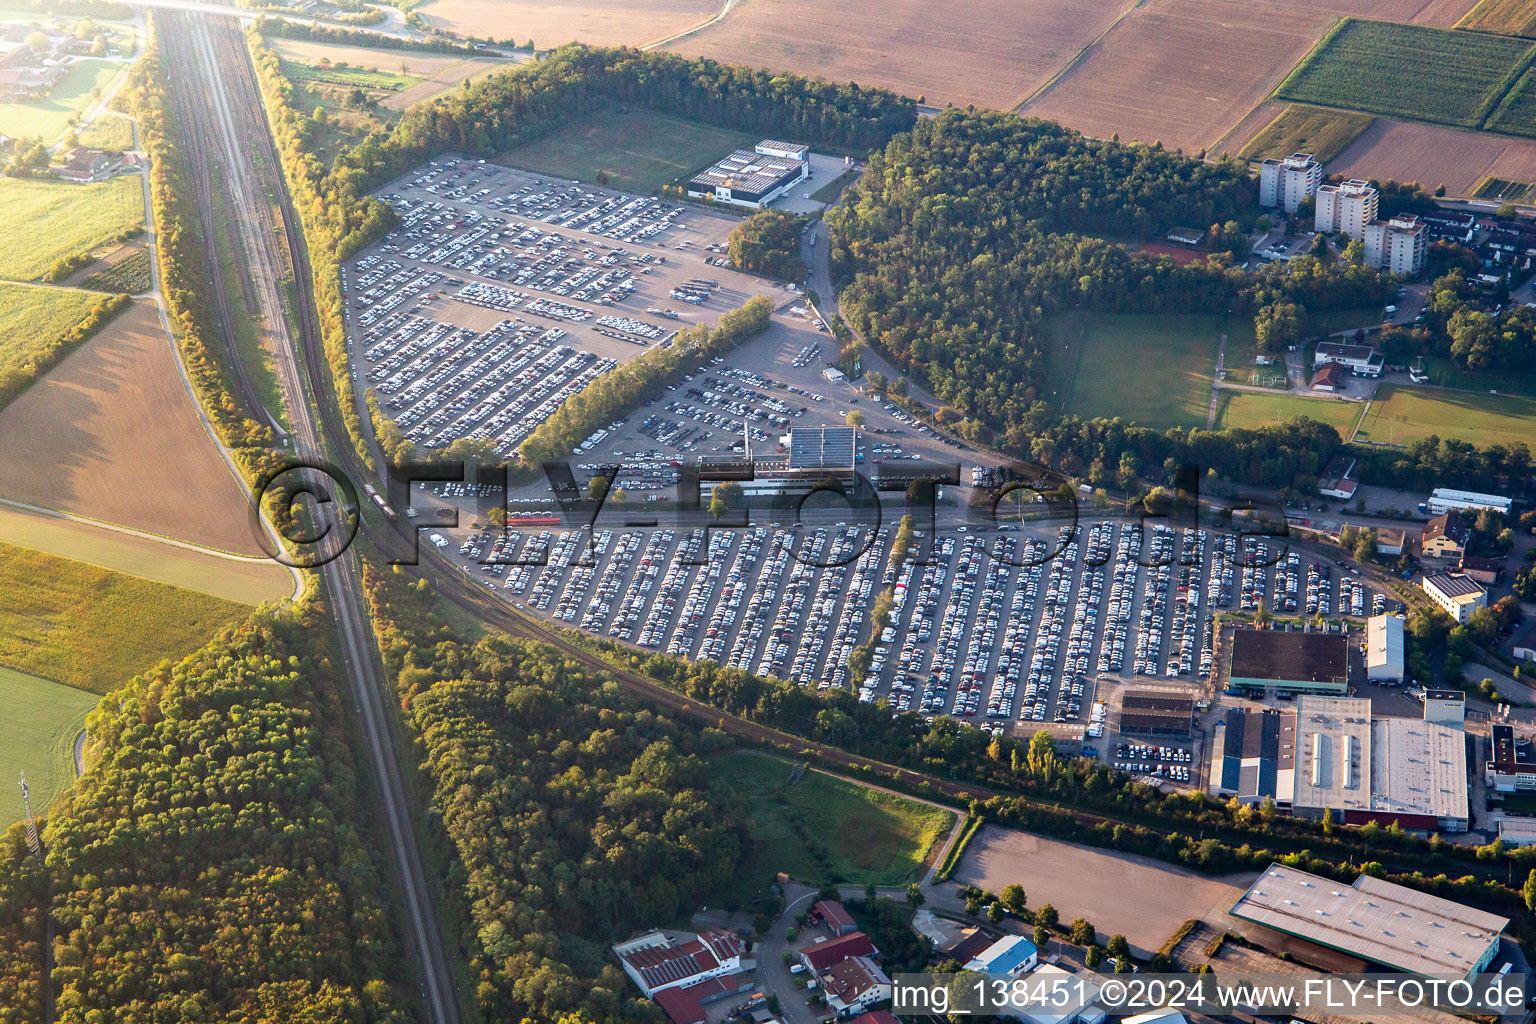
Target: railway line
[{"x": 220, "y": 103}]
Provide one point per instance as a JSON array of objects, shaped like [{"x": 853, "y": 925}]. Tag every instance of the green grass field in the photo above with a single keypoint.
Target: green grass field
[
  {"x": 1401, "y": 415},
  {"x": 41, "y": 221},
  {"x": 108, "y": 133},
  {"x": 1445, "y": 373},
  {"x": 37, "y": 736},
  {"x": 1152, "y": 370},
  {"x": 347, "y": 75},
  {"x": 34, "y": 318},
  {"x": 92, "y": 628},
  {"x": 826, "y": 829},
  {"x": 638, "y": 150},
  {"x": 1424, "y": 74},
  {"x": 50, "y": 117},
  {"x": 1251, "y": 409},
  {"x": 1301, "y": 128},
  {"x": 1509, "y": 17}
]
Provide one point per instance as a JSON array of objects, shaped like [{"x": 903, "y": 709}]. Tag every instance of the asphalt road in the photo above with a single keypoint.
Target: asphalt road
[{"x": 211, "y": 50}]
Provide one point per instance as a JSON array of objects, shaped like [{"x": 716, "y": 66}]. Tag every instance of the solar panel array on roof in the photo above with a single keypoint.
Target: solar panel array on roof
[{"x": 821, "y": 448}]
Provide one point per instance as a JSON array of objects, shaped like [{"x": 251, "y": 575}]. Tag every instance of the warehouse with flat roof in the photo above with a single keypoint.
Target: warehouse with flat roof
[
  {"x": 1156, "y": 714},
  {"x": 753, "y": 178},
  {"x": 1385, "y": 660},
  {"x": 1290, "y": 662},
  {"x": 1378, "y": 921}
]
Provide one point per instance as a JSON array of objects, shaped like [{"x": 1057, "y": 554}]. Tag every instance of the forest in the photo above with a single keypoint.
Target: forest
[
  {"x": 577, "y": 814},
  {"x": 968, "y": 232},
  {"x": 768, "y": 242},
  {"x": 209, "y": 865}
]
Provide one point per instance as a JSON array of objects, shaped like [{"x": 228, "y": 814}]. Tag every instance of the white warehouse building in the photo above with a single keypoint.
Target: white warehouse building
[
  {"x": 1385, "y": 661},
  {"x": 1444, "y": 499},
  {"x": 1285, "y": 183}
]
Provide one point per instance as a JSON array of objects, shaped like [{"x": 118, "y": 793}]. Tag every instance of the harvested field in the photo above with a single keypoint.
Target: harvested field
[
  {"x": 1454, "y": 78},
  {"x": 1248, "y": 128},
  {"x": 1442, "y": 13},
  {"x": 419, "y": 64},
  {"x": 1305, "y": 129},
  {"x": 248, "y": 583},
  {"x": 441, "y": 81},
  {"x": 1143, "y": 899},
  {"x": 1432, "y": 155},
  {"x": 992, "y": 53},
  {"x": 41, "y": 221},
  {"x": 1509, "y": 17},
  {"x": 1181, "y": 71},
  {"x": 111, "y": 433},
  {"x": 599, "y": 22},
  {"x": 1419, "y": 12}
]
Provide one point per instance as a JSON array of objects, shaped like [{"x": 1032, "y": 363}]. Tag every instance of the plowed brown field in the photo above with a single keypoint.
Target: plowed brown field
[
  {"x": 599, "y": 22},
  {"x": 1431, "y": 155},
  {"x": 110, "y": 433}
]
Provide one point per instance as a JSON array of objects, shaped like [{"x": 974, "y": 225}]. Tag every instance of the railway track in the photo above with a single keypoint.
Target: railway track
[{"x": 217, "y": 99}]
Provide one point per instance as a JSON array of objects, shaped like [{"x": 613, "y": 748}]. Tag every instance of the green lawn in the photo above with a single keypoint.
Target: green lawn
[
  {"x": 1425, "y": 74},
  {"x": 1400, "y": 415},
  {"x": 41, "y": 221},
  {"x": 93, "y": 628},
  {"x": 1252, "y": 410},
  {"x": 50, "y": 117},
  {"x": 1445, "y": 373},
  {"x": 1152, "y": 370},
  {"x": 826, "y": 829},
  {"x": 35, "y": 318},
  {"x": 1301, "y": 128},
  {"x": 638, "y": 150},
  {"x": 37, "y": 736},
  {"x": 1330, "y": 321}
]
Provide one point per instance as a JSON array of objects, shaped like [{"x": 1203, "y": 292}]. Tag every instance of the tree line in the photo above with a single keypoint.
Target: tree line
[
  {"x": 210, "y": 865},
  {"x": 39, "y": 360}
]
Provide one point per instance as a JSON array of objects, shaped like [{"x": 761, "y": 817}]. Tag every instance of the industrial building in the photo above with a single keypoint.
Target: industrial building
[
  {"x": 1360, "y": 360},
  {"x": 1513, "y": 766},
  {"x": 1335, "y": 481},
  {"x": 1378, "y": 921},
  {"x": 1348, "y": 207},
  {"x": 1288, "y": 181},
  {"x": 1290, "y": 662},
  {"x": 1385, "y": 660},
  {"x": 753, "y": 178},
  {"x": 1156, "y": 714},
  {"x": 1457, "y": 594},
  {"x": 1396, "y": 245},
  {"x": 1333, "y": 755},
  {"x": 1446, "y": 499},
  {"x": 1390, "y": 540},
  {"x": 657, "y": 961}
]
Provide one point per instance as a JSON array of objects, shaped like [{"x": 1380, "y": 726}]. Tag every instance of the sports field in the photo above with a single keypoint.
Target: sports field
[
  {"x": 1507, "y": 17},
  {"x": 826, "y": 829},
  {"x": 248, "y": 583},
  {"x": 638, "y": 150},
  {"x": 50, "y": 117},
  {"x": 1252, "y": 409},
  {"x": 1443, "y": 372},
  {"x": 1152, "y": 370},
  {"x": 32, "y": 319},
  {"x": 1306, "y": 129},
  {"x": 111, "y": 433},
  {"x": 37, "y": 736},
  {"x": 41, "y": 221},
  {"x": 92, "y": 628},
  {"x": 1400, "y": 415},
  {"x": 1453, "y": 77}
]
